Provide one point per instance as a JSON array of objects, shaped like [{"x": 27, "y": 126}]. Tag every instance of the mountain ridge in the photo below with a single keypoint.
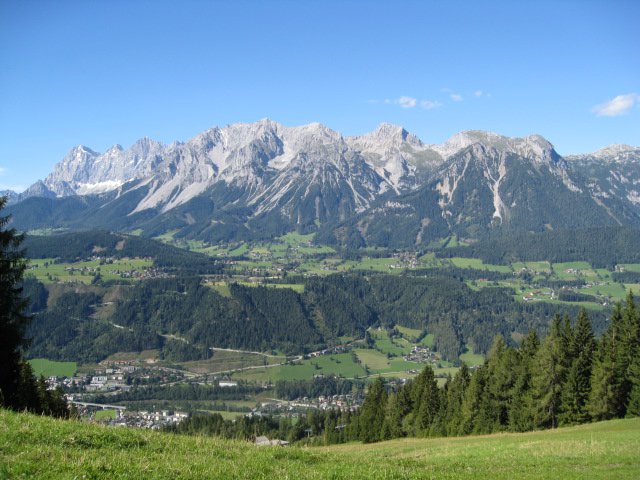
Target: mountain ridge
[{"x": 266, "y": 178}]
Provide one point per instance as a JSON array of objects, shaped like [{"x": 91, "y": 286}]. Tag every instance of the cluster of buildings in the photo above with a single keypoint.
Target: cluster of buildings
[
  {"x": 329, "y": 351},
  {"x": 347, "y": 402},
  {"x": 404, "y": 260},
  {"x": 421, "y": 354},
  {"x": 150, "y": 420},
  {"x": 109, "y": 379}
]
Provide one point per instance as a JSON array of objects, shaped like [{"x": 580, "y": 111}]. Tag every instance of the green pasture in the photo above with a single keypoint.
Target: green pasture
[
  {"x": 108, "y": 414},
  {"x": 478, "y": 264},
  {"x": 50, "y": 368},
  {"x": 385, "y": 344},
  {"x": 630, "y": 267},
  {"x": 470, "y": 358},
  {"x": 428, "y": 340},
  {"x": 41, "y": 447},
  {"x": 47, "y": 270},
  {"x": 410, "y": 334},
  {"x": 339, "y": 365}
]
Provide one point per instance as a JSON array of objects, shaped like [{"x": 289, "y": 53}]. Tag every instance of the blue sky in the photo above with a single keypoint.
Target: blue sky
[{"x": 104, "y": 72}]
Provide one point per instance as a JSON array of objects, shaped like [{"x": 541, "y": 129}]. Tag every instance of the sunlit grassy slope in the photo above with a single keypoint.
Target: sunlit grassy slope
[{"x": 35, "y": 447}]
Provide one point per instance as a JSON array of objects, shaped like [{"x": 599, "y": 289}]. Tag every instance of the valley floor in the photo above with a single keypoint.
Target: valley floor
[{"x": 37, "y": 447}]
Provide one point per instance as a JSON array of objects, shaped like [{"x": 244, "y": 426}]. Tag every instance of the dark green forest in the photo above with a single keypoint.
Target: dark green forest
[
  {"x": 265, "y": 319},
  {"x": 622, "y": 246}
]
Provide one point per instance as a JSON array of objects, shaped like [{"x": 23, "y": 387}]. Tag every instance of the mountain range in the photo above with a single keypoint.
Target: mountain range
[{"x": 386, "y": 188}]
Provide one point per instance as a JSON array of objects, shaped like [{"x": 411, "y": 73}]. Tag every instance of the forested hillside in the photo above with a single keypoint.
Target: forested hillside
[
  {"x": 196, "y": 316},
  {"x": 81, "y": 245},
  {"x": 602, "y": 247}
]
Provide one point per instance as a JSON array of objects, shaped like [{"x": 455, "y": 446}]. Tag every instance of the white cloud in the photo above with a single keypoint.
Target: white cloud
[
  {"x": 407, "y": 102},
  {"x": 478, "y": 93},
  {"x": 430, "y": 104},
  {"x": 456, "y": 97},
  {"x": 2, "y": 170},
  {"x": 617, "y": 106}
]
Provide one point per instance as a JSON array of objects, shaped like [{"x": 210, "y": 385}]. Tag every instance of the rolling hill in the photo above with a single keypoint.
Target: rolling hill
[{"x": 39, "y": 447}]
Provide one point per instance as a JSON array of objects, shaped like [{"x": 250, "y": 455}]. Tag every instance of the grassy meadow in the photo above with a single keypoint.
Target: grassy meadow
[
  {"x": 48, "y": 271},
  {"x": 49, "y": 368},
  {"x": 40, "y": 447}
]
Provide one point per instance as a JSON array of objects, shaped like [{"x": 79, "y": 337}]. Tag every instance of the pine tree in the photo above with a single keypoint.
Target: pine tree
[
  {"x": 521, "y": 411},
  {"x": 427, "y": 403},
  {"x": 607, "y": 379},
  {"x": 575, "y": 394},
  {"x": 472, "y": 404},
  {"x": 371, "y": 421},
  {"x": 454, "y": 399},
  {"x": 631, "y": 320},
  {"x": 19, "y": 389},
  {"x": 12, "y": 306},
  {"x": 502, "y": 363},
  {"x": 549, "y": 377},
  {"x": 398, "y": 407},
  {"x": 633, "y": 405}
]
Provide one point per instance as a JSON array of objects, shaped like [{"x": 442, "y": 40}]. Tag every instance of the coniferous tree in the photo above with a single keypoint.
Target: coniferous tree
[
  {"x": 575, "y": 394},
  {"x": 549, "y": 377},
  {"x": 19, "y": 389},
  {"x": 473, "y": 402},
  {"x": 521, "y": 411},
  {"x": 398, "y": 407},
  {"x": 373, "y": 413},
  {"x": 633, "y": 405},
  {"x": 13, "y": 321},
  {"x": 607, "y": 399},
  {"x": 427, "y": 405},
  {"x": 631, "y": 320},
  {"x": 502, "y": 363},
  {"x": 454, "y": 399}
]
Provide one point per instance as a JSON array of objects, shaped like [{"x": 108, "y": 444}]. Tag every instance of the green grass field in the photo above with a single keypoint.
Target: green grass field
[
  {"x": 385, "y": 344},
  {"x": 631, "y": 267},
  {"x": 533, "y": 266},
  {"x": 101, "y": 415},
  {"x": 49, "y": 368},
  {"x": 224, "y": 361},
  {"x": 340, "y": 365},
  {"x": 472, "y": 359},
  {"x": 40, "y": 447},
  {"x": 410, "y": 334},
  {"x": 478, "y": 264},
  {"x": 46, "y": 271},
  {"x": 428, "y": 341}
]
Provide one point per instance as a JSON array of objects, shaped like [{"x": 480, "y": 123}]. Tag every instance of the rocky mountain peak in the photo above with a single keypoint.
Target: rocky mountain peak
[
  {"x": 615, "y": 150},
  {"x": 116, "y": 148},
  {"x": 534, "y": 147},
  {"x": 386, "y": 137}
]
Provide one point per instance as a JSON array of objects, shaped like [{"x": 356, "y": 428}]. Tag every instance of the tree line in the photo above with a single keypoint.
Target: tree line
[{"x": 569, "y": 378}]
